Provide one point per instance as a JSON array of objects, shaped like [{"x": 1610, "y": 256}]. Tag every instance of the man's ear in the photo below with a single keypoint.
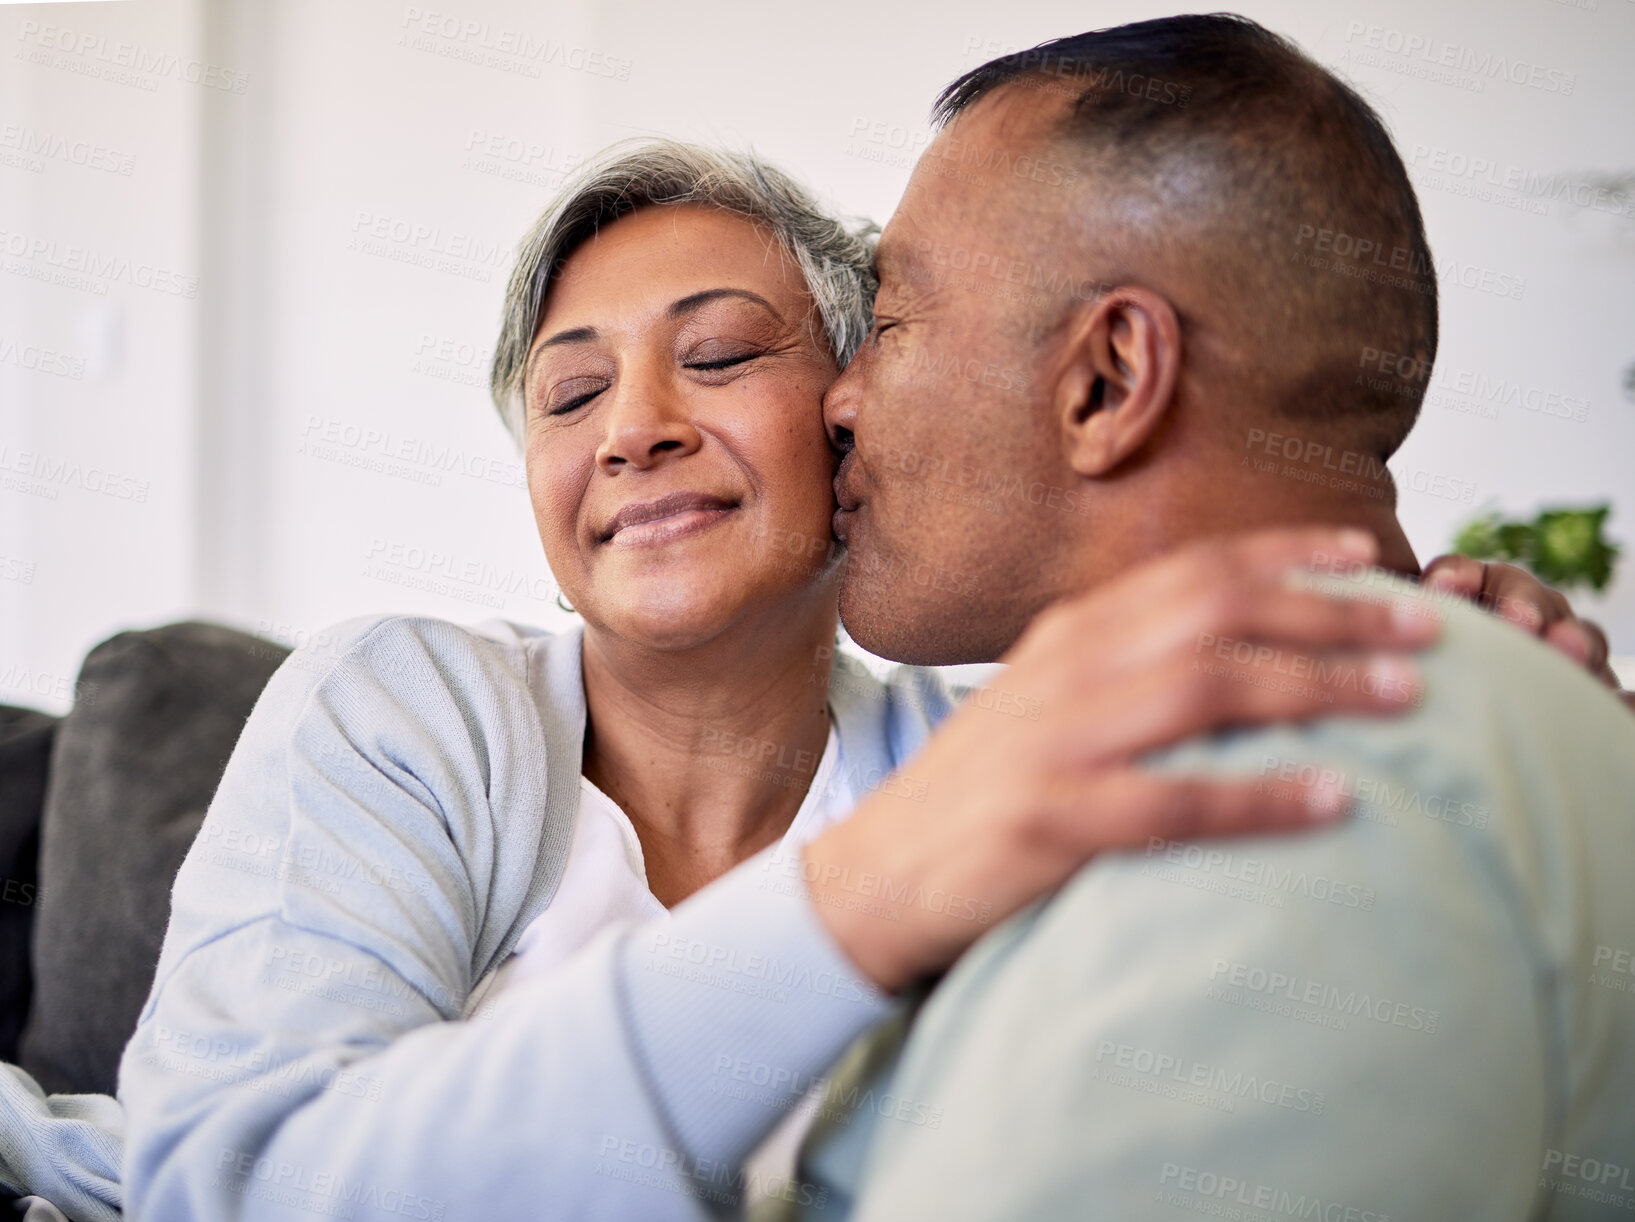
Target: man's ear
[{"x": 1117, "y": 378}]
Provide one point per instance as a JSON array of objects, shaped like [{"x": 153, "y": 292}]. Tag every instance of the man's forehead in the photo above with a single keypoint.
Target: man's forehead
[
  {"x": 1019, "y": 115},
  {"x": 989, "y": 182}
]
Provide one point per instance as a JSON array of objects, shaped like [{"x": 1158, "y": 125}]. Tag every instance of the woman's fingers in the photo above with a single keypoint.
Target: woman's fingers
[
  {"x": 1312, "y": 619},
  {"x": 1456, "y": 574},
  {"x": 1257, "y": 560},
  {"x": 1598, "y": 657},
  {"x": 1131, "y": 808},
  {"x": 1229, "y": 685},
  {"x": 1228, "y": 590},
  {"x": 1516, "y": 595},
  {"x": 1509, "y": 592}
]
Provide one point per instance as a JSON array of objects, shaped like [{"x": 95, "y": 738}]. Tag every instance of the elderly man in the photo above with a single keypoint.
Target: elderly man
[{"x": 1425, "y": 1013}]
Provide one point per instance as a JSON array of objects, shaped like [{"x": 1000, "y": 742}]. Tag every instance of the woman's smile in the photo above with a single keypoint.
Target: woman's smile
[{"x": 671, "y": 517}]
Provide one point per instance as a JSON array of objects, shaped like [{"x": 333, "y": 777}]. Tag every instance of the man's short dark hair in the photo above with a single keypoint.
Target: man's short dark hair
[{"x": 1310, "y": 212}]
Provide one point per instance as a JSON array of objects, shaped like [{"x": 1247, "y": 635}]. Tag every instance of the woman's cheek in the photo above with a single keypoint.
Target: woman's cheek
[{"x": 556, "y": 496}]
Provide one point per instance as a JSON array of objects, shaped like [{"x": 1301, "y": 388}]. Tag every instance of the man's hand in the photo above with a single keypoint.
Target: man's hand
[
  {"x": 1017, "y": 790},
  {"x": 1516, "y": 595}
]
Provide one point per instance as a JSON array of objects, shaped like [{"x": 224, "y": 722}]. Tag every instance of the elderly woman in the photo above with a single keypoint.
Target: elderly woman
[{"x": 491, "y": 922}]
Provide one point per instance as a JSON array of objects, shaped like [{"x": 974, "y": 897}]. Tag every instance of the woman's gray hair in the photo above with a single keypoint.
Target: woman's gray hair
[{"x": 834, "y": 255}]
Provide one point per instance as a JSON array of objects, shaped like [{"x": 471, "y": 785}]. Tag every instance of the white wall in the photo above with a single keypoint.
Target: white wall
[{"x": 306, "y": 437}]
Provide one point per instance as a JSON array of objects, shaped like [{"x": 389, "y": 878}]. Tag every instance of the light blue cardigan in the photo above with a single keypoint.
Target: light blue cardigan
[{"x": 398, "y": 809}]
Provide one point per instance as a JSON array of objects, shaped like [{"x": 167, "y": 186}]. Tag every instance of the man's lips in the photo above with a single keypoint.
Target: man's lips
[
  {"x": 846, "y": 497},
  {"x": 666, "y": 517}
]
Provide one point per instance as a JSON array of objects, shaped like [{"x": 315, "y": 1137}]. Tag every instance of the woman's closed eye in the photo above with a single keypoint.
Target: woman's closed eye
[
  {"x": 569, "y": 396},
  {"x": 716, "y": 357},
  {"x": 724, "y": 362}
]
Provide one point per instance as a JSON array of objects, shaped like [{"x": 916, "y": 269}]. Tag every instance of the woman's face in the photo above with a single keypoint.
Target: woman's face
[{"x": 676, "y": 457}]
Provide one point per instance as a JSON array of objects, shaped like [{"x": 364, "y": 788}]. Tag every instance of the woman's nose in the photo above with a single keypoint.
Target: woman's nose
[{"x": 645, "y": 424}]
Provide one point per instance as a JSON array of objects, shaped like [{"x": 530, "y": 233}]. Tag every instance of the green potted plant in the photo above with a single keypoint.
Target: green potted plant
[{"x": 1563, "y": 547}]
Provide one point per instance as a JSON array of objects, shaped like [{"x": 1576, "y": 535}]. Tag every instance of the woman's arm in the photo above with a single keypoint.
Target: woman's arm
[
  {"x": 298, "y": 1052},
  {"x": 65, "y": 1148}
]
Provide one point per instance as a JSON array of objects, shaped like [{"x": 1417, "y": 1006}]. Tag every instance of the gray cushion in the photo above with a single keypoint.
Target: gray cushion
[
  {"x": 133, "y": 769},
  {"x": 25, "y": 757}
]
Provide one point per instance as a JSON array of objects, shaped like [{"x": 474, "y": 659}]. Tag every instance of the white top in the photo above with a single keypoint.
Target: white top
[{"x": 605, "y": 880}]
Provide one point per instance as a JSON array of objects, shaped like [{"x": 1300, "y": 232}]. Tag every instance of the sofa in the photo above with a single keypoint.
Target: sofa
[{"x": 97, "y": 809}]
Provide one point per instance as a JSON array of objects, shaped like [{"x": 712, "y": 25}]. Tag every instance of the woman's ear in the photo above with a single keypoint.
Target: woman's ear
[{"x": 1118, "y": 377}]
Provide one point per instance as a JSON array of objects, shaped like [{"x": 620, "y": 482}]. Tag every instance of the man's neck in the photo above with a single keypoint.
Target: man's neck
[
  {"x": 709, "y": 750},
  {"x": 1170, "y": 505}
]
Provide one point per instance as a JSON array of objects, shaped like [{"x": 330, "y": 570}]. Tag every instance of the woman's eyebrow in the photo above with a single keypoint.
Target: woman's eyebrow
[
  {"x": 692, "y": 301},
  {"x": 575, "y": 335}
]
